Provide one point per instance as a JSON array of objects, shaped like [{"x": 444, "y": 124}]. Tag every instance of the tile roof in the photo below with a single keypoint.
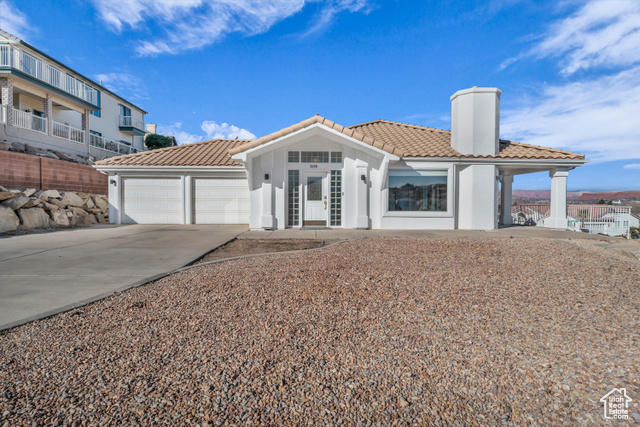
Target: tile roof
[
  {"x": 382, "y": 145},
  {"x": 420, "y": 141},
  {"x": 207, "y": 153},
  {"x": 401, "y": 139}
]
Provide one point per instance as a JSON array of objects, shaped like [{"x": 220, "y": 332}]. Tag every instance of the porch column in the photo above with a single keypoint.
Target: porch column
[
  {"x": 267, "y": 221},
  {"x": 558, "y": 209},
  {"x": 48, "y": 113},
  {"x": 506, "y": 199},
  {"x": 362, "y": 218},
  {"x": 6, "y": 85},
  {"x": 85, "y": 128}
]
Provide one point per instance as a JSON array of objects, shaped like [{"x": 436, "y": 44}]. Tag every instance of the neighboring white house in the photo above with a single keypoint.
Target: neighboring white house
[
  {"x": 48, "y": 105},
  {"x": 380, "y": 174}
]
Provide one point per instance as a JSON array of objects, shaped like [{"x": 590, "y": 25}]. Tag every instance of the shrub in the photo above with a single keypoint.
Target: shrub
[{"x": 155, "y": 141}]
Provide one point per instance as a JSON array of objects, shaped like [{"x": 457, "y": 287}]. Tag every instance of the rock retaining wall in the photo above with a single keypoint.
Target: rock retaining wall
[{"x": 32, "y": 209}]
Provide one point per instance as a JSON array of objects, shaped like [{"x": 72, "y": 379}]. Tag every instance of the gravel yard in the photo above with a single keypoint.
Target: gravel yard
[
  {"x": 444, "y": 331},
  {"x": 241, "y": 247}
]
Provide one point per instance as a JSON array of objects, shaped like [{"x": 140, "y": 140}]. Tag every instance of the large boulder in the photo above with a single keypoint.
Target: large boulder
[
  {"x": 71, "y": 199},
  {"x": 58, "y": 203},
  {"x": 88, "y": 203},
  {"x": 16, "y": 202},
  {"x": 5, "y": 146},
  {"x": 49, "y": 194},
  {"x": 32, "y": 203},
  {"x": 9, "y": 221},
  {"x": 4, "y": 195},
  {"x": 17, "y": 147},
  {"x": 101, "y": 203},
  {"x": 50, "y": 206},
  {"x": 29, "y": 192},
  {"x": 59, "y": 217},
  {"x": 34, "y": 218}
]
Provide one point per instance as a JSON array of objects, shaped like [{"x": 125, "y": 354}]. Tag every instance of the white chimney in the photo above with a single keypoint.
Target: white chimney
[
  {"x": 151, "y": 127},
  {"x": 475, "y": 121}
]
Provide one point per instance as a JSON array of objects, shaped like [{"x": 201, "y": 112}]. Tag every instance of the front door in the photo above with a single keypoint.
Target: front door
[{"x": 315, "y": 199}]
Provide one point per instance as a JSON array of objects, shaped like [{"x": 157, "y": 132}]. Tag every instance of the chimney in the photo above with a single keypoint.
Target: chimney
[
  {"x": 475, "y": 121},
  {"x": 151, "y": 127}
]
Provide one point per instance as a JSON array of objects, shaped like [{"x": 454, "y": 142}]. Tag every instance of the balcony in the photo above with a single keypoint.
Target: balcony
[
  {"x": 109, "y": 144},
  {"x": 131, "y": 125},
  {"x": 17, "y": 59}
]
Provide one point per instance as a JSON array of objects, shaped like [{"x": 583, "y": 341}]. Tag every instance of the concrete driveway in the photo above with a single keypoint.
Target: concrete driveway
[{"x": 43, "y": 274}]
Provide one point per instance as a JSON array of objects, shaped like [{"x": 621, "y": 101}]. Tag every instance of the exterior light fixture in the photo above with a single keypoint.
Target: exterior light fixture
[
  {"x": 363, "y": 178},
  {"x": 266, "y": 177},
  {"x": 112, "y": 182}
]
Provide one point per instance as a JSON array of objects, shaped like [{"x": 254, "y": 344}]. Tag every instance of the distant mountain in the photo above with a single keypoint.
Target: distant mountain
[
  {"x": 544, "y": 194},
  {"x": 610, "y": 195}
]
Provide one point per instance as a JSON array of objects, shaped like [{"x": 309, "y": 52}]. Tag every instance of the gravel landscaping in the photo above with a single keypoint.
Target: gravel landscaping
[
  {"x": 437, "y": 331},
  {"x": 240, "y": 247}
]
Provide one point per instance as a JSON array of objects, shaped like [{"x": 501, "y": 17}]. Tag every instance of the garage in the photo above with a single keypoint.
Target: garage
[
  {"x": 152, "y": 201},
  {"x": 221, "y": 201}
]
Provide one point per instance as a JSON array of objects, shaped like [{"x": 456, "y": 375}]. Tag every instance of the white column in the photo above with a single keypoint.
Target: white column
[
  {"x": 188, "y": 200},
  {"x": 115, "y": 199},
  {"x": 506, "y": 200},
  {"x": 362, "y": 218},
  {"x": 267, "y": 220},
  {"x": 558, "y": 208}
]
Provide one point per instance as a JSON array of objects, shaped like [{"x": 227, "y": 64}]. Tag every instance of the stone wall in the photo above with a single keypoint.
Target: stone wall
[
  {"x": 32, "y": 209},
  {"x": 41, "y": 172}
]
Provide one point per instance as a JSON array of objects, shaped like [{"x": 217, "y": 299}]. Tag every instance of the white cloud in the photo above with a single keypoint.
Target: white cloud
[
  {"x": 598, "y": 117},
  {"x": 211, "y": 128},
  {"x": 595, "y": 115},
  {"x": 191, "y": 24},
  {"x": 602, "y": 34},
  {"x": 632, "y": 166},
  {"x": 225, "y": 131},
  {"x": 13, "y": 21},
  {"x": 125, "y": 85}
]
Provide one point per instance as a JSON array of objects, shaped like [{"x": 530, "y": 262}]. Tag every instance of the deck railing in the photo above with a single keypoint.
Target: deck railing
[
  {"x": 109, "y": 144},
  {"x": 130, "y": 121},
  {"x": 65, "y": 131},
  {"x": 14, "y": 57},
  {"x": 593, "y": 219},
  {"x": 25, "y": 120}
]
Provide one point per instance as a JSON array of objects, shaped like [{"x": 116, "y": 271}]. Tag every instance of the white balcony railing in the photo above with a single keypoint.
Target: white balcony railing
[
  {"x": 593, "y": 219},
  {"x": 130, "y": 121},
  {"x": 25, "y": 120},
  {"x": 109, "y": 144},
  {"x": 62, "y": 130},
  {"x": 16, "y": 58}
]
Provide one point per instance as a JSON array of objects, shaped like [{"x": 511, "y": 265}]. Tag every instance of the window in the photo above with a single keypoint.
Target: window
[
  {"x": 336, "y": 157},
  {"x": 294, "y": 198},
  {"x": 336, "y": 197},
  {"x": 314, "y": 188},
  {"x": 294, "y": 156},
  {"x": 418, "y": 190},
  {"x": 314, "y": 156},
  {"x": 125, "y": 111},
  {"x": 97, "y": 112}
]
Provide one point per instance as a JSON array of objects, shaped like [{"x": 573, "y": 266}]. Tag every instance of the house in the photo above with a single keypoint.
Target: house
[
  {"x": 379, "y": 174},
  {"x": 47, "y": 105}
]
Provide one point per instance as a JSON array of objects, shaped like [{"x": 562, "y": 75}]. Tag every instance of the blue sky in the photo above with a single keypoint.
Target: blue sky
[{"x": 569, "y": 71}]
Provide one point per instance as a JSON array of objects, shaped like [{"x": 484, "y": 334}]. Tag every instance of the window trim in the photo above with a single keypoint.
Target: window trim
[{"x": 421, "y": 214}]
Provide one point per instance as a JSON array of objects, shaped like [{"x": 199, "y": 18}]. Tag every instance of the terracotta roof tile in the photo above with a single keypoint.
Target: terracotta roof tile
[
  {"x": 401, "y": 139},
  {"x": 207, "y": 153}
]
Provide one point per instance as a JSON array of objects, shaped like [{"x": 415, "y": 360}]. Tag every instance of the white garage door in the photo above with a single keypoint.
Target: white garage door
[
  {"x": 221, "y": 201},
  {"x": 152, "y": 201}
]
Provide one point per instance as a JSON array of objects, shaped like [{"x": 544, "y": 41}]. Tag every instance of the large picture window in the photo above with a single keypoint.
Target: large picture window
[{"x": 418, "y": 190}]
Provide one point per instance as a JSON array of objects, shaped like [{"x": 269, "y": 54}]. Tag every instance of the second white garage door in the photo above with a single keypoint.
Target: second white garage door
[
  {"x": 152, "y": 201},
  {"x": 221, "y": 201}
]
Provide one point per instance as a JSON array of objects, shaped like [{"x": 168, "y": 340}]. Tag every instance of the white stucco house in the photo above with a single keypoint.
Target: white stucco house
[
  {"x": 316, "y": 173},
  {"x": 48, "y": 105}
]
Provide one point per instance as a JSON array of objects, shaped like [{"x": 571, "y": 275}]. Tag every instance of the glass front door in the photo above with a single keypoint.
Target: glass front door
[{"x": 315, "y": 199}]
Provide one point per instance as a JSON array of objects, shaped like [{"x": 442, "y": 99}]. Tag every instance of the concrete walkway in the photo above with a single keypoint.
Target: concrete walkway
[
  {"x": 46, "y": 273},
  {"x": 516, "y": 232}
]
